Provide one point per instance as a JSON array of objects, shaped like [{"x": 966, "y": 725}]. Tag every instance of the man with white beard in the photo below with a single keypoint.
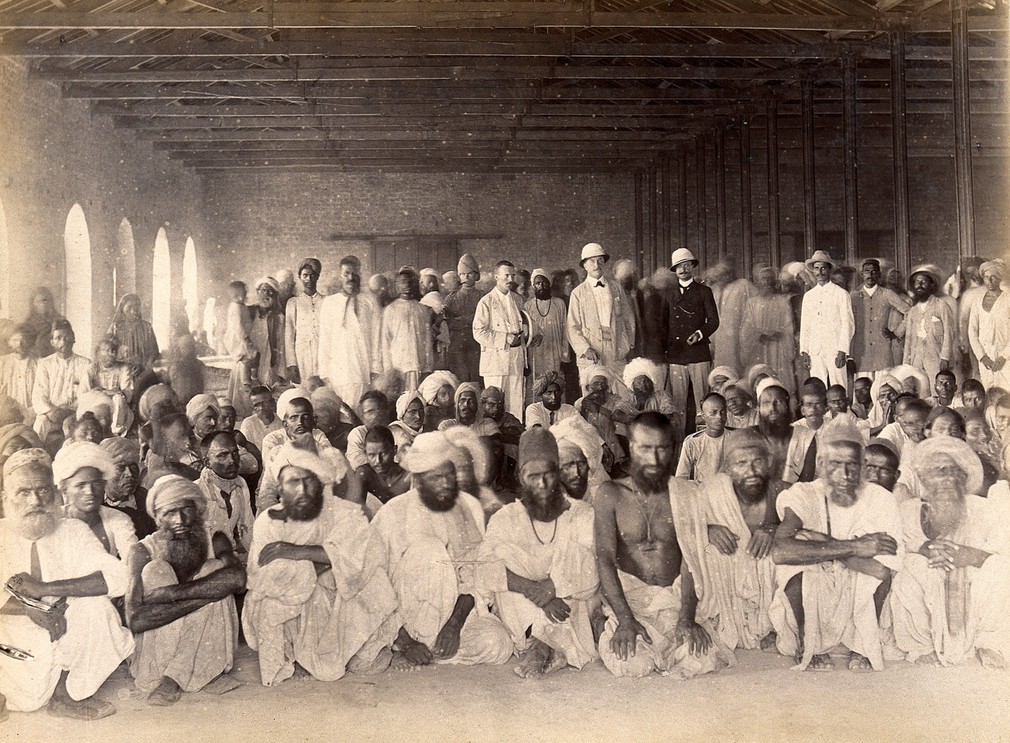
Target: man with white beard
[{"x": 76, "y": 641}]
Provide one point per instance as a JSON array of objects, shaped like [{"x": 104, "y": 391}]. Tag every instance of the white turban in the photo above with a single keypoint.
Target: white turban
[
  {"x": 464, "y": 438},
  {"x": 642, "y": 367},
  {"x": 269, "y": 281},
  {"x": 726, "y": 372},
  {"x": 24, "y": 457},
  {"x": 577, "y": 430},
  {"x": 958, "y": 450},
  {"x": 435, "y": 381},
  {"x": 284, "y": 401},
  {"x": 171, "y": 490},
  {"x": 198, "y": 405},
  {"x": 569, "y": 451},
  {"x": 433, "y": 300},
  {"x": 429, "y": 451},
  {"x": 81, "y": 454},
  {"x": 404, "y": 400},
  {"x": 766, "y": 384},
  {"x": 539, "y": 272},
  {"x": 594, "y": 371},
  {"x": 291, "y": 456}
]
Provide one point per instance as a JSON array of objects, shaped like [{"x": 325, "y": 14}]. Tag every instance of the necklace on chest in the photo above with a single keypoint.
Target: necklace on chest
[
  {"x": 651, "y": 541},
  {"x": 533, "y": 525}
]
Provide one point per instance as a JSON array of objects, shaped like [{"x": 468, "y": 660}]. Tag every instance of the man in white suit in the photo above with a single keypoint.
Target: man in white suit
[
  {"x": 349, "y": 331},
  {"x": 601, "y": 321},
  {"x": 498, "y": 328},
  {"x": 826, "y": 324}
]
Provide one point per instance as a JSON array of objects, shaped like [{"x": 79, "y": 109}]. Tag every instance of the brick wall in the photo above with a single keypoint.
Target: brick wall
[{"x": 56, "y": 154}]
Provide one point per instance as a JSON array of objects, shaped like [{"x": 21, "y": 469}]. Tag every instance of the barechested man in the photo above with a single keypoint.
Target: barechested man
[
  {"x": 180, "y": 602},
  {"x": 739, "y": 575},
  {"x": 648, "y": 587}
]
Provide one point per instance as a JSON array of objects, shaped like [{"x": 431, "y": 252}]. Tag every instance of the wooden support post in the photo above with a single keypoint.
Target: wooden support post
[
  {"x": 772, "y": 146},
  {"x": 809, "y": 173},
  {"x": 682, "y": 196},
  {"x": 746, "y": 227},
  {"x": 653, "y": 182},
  {"x": 899, "y": 138},
  {"x": 667, "y": 238},
  {"x": 962, "y": 129},
  {"x": 639, "y": 237},
  {"x": 701, "y": 201},
  {"x": 849, "y": 175},
  {"x": 720, "y": 191}
]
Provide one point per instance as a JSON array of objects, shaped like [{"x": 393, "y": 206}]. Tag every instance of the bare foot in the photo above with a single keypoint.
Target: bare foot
[
  {"x": 991, "y": 659},
  {"x": 381, "y": 663},
  {"x": 534, "y": 662},
  {"x": 927, "y": 660},
  {"x": 223, "y": 684},
  {"x": 768, "y": 642},
  {"x": 821, "y": 663},
  {"x": 558, "y": 661},
  {"x": 859, "y": 663},
  {"x": 400, "y": 662},
  {"x": 86, "y": 709},
  {"x": 167, "y": 693}
]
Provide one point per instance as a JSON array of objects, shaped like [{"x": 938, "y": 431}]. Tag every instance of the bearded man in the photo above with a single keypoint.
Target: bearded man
[
  {"x": 738, "y": 572},
  {"x": 229, "y": 509},
  {"x": 318, "y": 595},
  {"x": 550, "y": 406},
  {"x": 574, "y": 468},
  {"x": 549, "y": 321},
  {"x": 61, "y": 615},
  {"x": 838, "y": 549},
  {"x": 439, "y": 567},
  {"x": 794, "y": 456},
  {"x": 930, "y": 326},
  {"x": 951, "y": 600},
  {"x": 646, "y": 551},
  {"x": 180, "y": 602},
  {"x": 546, "y": 543}
]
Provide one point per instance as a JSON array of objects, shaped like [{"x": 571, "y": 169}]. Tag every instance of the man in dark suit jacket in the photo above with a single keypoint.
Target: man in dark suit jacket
[{"x": 687, "y": 316}]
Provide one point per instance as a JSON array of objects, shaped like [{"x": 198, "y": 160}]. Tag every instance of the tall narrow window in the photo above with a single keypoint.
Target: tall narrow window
[
  {"x": 190, "y": 293},
  {"x": 161, "y": 291},
  {"x": 126, "y": 262},
  {"x": 77, "y": 249}
]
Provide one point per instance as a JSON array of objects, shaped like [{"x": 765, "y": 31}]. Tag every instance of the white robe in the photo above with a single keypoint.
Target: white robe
[
  {"x": 237, "y": 526},
  {"x": 301, "y": 333},
  {"x": 17, "y": 378},
  {"x": 58, "y": 384},
  {"x": 291, "y": 614},
  {"x": 837, "y": 601},
  {"x": 957, "y": 613},
  {"x": 350, "y": 351},
  {"x": 826, "y": 327},
  {"x": 95, "y": 643},
  {"x": 568, "y": 559},
  {"x": 406, "y": 337},
  {"x": 434, "y": 558},
  {"x": 700, "y": 456}
]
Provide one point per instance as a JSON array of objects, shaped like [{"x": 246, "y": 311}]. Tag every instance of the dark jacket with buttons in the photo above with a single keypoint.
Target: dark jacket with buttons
[{"x": 673, "y": 315}]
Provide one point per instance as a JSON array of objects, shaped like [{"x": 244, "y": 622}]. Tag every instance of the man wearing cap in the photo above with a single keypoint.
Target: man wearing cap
[
  {"x": 318, "y": 594},
  {"x": 648, "y": 531},
  {"x": 545, "y": 541},
  {"x": 930, "y": 326},
  {"x": 350, "y": 332},
  {"x": 406, "y": 340},
  {"x": 837, "y": 549},
  {"x": 950, "y": 600},
  {"x": 443, "y": 576},
  {"x": 78, "y": 643},
  {"x": 601, "y": 322},
  {"x": 826, "y": 324},
  {"x": 301, "y": 324},
  {"x": 123, "y": 491},
  {"x": 874, "y": 346},
  {"x": 180, "y": 603},
  {"x": 82, "y": 471},
  {"x": 498, "y": 328},
  {"x": 548, "y": 317},
  {"x": 738, "y": 577},
  {"x": 460, "y": 306},
  {"x": 267, "y": 330},
  {"x": 683, "y": 322},
  {"x": 549, "y": 408}
]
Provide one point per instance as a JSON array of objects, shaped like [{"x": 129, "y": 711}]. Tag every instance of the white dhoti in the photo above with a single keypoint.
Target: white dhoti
[
  {"x": 194, "y": 649},
  {"x": 94, "y": 645},
  {"x": 657, "y": 608}
]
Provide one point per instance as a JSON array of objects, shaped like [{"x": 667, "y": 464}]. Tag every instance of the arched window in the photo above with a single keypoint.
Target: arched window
[
  {"x": 77, "y": 249},
  {"x": 161, "y": 291},
  {"x": 125, "y": 270},
  {"x": 190, "y": 292},
  {"x": 5, "y": 275}
]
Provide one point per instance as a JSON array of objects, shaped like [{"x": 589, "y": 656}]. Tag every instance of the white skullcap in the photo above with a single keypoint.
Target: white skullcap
[
  {"x": 766, "y": 384},
  {"x": 25, "y": 457},
  {"x": 284, "y": 401},
  {"x": 78, "y": 455}
]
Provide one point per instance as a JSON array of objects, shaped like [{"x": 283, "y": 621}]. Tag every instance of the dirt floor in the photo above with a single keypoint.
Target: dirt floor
[{"x": 760, "y": 699}]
